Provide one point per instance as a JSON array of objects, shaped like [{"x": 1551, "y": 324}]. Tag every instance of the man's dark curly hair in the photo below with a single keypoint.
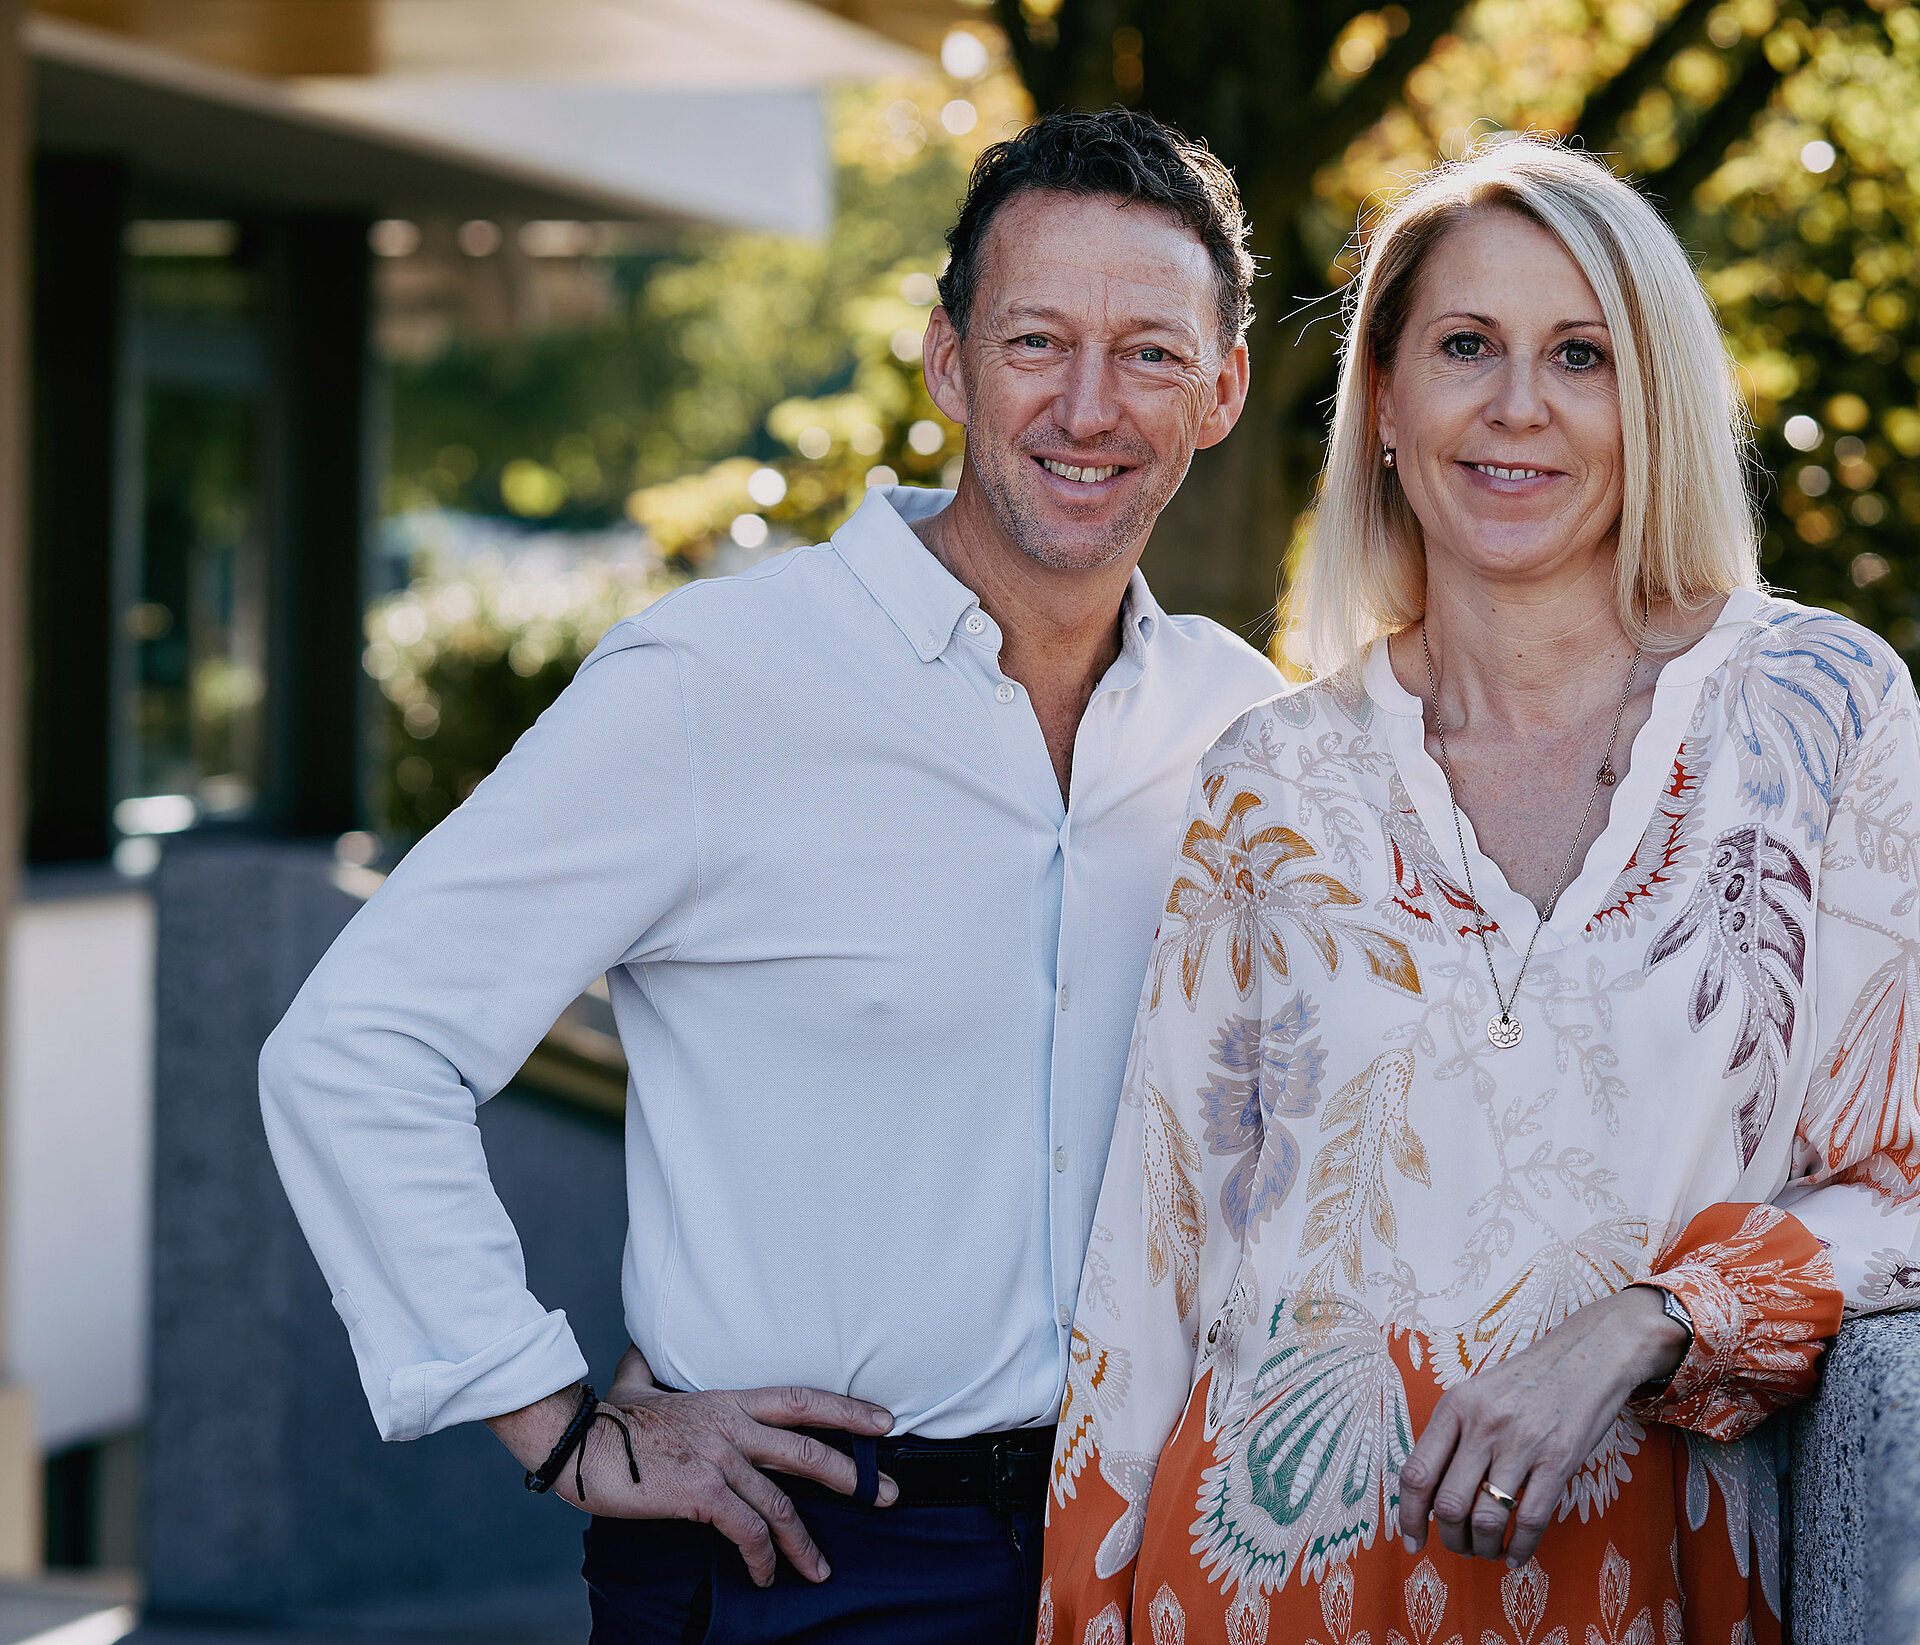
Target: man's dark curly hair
[{"x": 1118, "y": 152}]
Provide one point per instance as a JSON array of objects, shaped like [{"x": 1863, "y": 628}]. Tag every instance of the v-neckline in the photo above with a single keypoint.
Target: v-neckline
[{"x": 1675, "y": 695}]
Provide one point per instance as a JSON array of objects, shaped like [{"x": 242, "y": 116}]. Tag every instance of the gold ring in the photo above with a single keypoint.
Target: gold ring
[{"x": 1507, "y": 1502}]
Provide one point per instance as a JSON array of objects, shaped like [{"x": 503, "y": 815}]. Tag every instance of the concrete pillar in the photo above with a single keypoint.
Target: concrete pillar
[
  {"x": 1853, "y": 1561},
  {"x": 270, "y": 1497},
  {"x": 19, "y": 1460}
]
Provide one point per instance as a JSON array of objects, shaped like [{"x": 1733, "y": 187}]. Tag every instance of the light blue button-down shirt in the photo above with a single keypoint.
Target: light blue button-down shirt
[{"x": 874, "y": 979}]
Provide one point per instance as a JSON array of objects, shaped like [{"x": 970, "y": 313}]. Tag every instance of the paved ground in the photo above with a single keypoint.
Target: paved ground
[
  {"x": 102, "y": 1609},
  {"x": 85, "y": 1609}
]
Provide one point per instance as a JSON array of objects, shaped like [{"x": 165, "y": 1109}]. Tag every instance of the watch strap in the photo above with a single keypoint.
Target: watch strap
[{"x": 1675, "y": 1310}]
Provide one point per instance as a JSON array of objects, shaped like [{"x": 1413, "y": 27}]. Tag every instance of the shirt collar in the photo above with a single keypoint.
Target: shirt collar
[
  {"x": 922, "y": 596},
  {"x": 925, "y": 599},
  {"x": 1140, "y": 616}
]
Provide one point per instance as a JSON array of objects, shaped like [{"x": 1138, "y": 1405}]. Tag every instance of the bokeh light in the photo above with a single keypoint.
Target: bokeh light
[
  {"x": 963, "y": 54},
  {"x": 1802, "y": 433}
]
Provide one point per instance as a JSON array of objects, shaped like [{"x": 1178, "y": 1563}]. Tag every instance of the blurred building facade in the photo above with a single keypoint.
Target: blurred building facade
[{"x": 198, "y": 195}]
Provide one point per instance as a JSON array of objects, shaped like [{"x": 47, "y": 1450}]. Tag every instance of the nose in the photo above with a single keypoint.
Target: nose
[
  {"x": 1087, "y": 405},
  {"x": 1519, "y": 401}
]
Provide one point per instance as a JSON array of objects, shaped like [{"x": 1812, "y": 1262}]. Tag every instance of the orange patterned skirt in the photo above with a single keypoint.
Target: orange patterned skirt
[{"x": 1686, "y": 1549}]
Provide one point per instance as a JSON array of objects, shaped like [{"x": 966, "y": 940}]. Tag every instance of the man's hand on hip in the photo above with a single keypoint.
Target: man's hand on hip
[{"x": 700, "y": 1456}]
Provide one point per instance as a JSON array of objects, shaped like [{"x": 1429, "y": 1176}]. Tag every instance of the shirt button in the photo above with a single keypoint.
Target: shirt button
[
  {"x": 1059, "y": 1159},
  {"x": 1066, "y": 999},
  {"x": 975, "y": 622},
  {"x": 1065, "y": 1316},
  {"x": 1003, "y": 692}
]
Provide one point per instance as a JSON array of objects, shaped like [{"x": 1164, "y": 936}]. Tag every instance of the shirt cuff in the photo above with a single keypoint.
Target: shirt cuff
[{"x": 518, "y": 1370}]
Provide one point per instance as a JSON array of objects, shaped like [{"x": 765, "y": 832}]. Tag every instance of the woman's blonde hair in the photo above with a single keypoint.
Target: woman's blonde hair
[{"x": 1687, "y": 525}]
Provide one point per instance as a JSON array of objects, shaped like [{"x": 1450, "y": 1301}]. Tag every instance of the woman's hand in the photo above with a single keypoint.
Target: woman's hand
[{"x": 1529, "y": 1424}]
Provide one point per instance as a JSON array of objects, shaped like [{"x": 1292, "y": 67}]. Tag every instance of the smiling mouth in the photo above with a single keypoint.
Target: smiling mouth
[
  {"x": 1493, "y": 471},
  {"x": 1082, "y": 476}
]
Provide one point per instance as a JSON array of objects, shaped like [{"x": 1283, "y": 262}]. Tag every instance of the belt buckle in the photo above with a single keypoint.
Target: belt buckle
[{"x": 998, "y": 1482}]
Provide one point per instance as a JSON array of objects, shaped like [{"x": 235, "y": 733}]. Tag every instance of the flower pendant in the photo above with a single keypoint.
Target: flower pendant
[{"x": 1504, "y": 1031}]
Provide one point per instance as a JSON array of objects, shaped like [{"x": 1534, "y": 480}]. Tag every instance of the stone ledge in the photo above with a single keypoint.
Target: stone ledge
[{"x": 1854, "y": 1492}]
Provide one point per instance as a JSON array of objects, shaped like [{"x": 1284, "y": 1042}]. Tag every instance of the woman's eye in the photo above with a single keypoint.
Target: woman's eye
[
  {"x": 1465, "y": 345},
  {"x": 1581, "y": 356}
]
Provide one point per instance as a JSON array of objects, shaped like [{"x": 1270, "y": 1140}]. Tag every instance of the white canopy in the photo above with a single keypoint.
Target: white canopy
[{"x": 704, "y": 110}]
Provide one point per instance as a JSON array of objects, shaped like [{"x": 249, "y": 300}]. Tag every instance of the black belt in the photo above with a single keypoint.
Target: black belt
[{"x": 1006, "y": 1472}]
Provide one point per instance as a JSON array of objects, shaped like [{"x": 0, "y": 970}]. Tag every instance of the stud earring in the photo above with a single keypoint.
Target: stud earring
[{"x": 1386, "y": 458}]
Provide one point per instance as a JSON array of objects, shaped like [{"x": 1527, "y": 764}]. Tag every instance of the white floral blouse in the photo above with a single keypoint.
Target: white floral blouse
[{"x": 1330, "y": 1197}]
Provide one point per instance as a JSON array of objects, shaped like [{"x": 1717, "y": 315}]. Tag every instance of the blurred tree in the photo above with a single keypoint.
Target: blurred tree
[{"x": 1710, "y": 105}]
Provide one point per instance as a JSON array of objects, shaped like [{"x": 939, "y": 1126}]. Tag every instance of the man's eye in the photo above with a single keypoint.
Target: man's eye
[
  {"x": 1033, "y": 341},
  {"x": 1465, "y": 345},
  {"x": 1153, "y": 356},
  {"x": 1581, "y": 356}
]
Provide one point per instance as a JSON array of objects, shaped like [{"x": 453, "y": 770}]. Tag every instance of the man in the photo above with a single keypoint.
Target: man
[{"x": 870, "y": 844}]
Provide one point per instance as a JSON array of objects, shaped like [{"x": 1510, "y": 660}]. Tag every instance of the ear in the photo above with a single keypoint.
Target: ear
[
  {"x": 940, "y": 364},
  {"x": 1229, "y": 398},
  {"x": 1380, "y": 396}
]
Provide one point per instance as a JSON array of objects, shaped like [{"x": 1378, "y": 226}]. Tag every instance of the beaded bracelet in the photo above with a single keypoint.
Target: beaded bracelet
[
  {"x": 573, "y": 1444},
  {"x": 541, "y": 1479}
]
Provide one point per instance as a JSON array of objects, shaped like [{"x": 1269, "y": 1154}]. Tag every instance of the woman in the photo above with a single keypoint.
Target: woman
[{"x": 1526, "y": 1077}]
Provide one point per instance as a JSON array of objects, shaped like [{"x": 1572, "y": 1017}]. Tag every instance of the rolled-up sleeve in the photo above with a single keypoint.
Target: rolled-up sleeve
[{"x": 577, "y": 854}]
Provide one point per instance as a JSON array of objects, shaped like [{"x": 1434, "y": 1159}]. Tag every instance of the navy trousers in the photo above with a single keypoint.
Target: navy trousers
[{"x": 901, "y": 1576}]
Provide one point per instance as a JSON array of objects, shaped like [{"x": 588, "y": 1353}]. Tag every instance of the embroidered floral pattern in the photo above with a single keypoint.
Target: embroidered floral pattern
[
  {"x": 1865, "y": 1101},
  {"x": 1348, "y": 1183},
  {"x": 1892, "y": 1276},
  {"x": 1097, "y": 1377},
  {"x": 1748, "y": 902},
  {"x": 1426, "y": 901},
  {"x": 1312, "y": 1469},
  {"x": 1799, "y": 706},
  {"x": 1250, "y": 891},
  {"x": 1268, "y": 1075},
  {"x": 1426, "y": 1597},
  {"x": 1166, "y": 1619},
  {"x": 1665, "y": 850},
  {"x": 1176, "y": 1214},
  {"x": 1762, "y": 1296}
]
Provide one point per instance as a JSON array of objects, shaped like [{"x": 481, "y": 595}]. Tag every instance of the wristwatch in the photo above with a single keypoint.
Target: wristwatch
[{"x": 1675, "y": 1310}]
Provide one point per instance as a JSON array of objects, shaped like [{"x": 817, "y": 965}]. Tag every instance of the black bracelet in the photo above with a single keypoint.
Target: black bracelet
[{"x": 542, "y": 1479}]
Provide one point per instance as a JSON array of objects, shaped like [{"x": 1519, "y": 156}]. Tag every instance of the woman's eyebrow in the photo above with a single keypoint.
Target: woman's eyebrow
[{"x": 1493, "y": 324}]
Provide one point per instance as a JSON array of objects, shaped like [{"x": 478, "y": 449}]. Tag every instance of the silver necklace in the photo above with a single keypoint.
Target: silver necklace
[{"x": 1503, "y": 1028}]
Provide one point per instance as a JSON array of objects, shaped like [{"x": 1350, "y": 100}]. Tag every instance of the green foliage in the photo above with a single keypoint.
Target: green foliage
[
  {"x": 472, "y": 654},
  {"x": 1815, "y": 275}
]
